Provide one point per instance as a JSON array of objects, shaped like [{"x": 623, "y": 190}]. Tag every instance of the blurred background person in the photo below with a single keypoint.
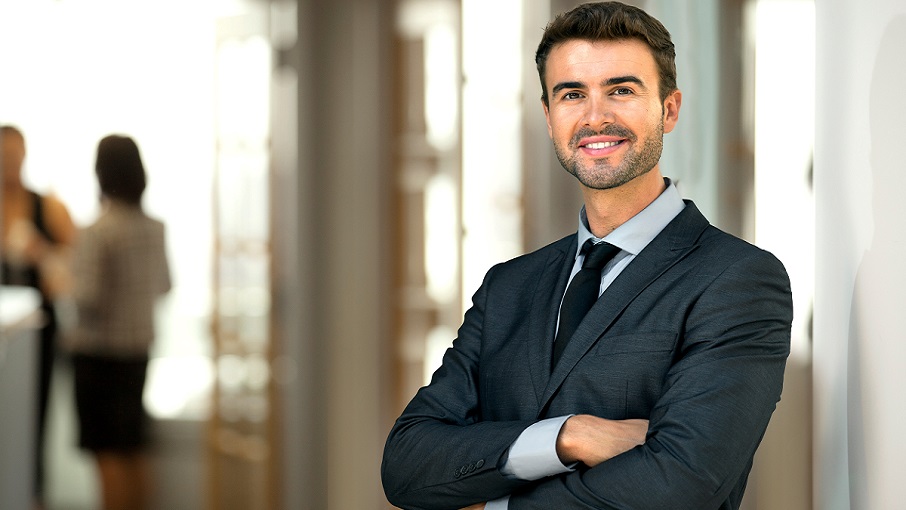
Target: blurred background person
[
  {"x": 120, "y": 269},
  {"x": 37, "y": 236}
]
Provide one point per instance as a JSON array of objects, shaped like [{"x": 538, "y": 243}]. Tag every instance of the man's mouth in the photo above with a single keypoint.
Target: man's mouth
[{"x": 602, "y": 145}]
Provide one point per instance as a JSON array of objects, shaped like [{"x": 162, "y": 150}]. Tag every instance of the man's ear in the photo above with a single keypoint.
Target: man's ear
[
  {"x": 671, "y": 110},
  {"x": 547, "y": 117}
]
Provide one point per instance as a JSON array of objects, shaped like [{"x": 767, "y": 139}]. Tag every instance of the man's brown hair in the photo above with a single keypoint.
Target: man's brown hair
[{"x": 610, "y": 21}]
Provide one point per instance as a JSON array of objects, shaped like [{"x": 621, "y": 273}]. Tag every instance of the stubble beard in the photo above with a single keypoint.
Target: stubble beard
[{"x": 601, "y": 174}]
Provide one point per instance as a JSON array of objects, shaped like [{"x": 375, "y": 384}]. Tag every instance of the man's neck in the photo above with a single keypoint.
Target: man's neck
[{"x": 608, "y": 209}]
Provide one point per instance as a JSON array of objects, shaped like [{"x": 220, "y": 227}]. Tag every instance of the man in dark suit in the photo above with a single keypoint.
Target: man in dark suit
[{"x": 658, "y": 397}]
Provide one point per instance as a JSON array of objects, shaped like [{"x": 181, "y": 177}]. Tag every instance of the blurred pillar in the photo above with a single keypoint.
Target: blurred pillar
[{"x": 341, "y": 320}]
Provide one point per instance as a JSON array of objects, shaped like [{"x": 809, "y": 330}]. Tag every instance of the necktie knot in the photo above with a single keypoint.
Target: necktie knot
[{"x": 597, "y": 255}]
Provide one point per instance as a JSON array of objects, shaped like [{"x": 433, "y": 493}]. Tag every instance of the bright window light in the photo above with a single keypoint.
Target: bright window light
[
  {"x": 74, "y": 72},
  {"x": 784, "y": 133}
]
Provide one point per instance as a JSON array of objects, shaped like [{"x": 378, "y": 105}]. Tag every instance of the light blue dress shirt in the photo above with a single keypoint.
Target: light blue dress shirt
[{"x": 534, "y": 453}]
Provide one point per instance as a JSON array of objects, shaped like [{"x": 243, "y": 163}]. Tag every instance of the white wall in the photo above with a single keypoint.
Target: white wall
[{"x": 859, "y": 349}]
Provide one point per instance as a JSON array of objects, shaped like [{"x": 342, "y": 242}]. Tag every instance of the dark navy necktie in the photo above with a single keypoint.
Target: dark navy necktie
[{"x": 581, "y": 293}]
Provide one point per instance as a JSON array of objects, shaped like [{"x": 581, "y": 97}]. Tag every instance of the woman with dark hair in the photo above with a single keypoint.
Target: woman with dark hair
[{"x": 120, "y": 269}]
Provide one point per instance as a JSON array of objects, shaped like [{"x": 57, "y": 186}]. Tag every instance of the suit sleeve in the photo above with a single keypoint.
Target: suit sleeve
[
  {"x": 439, "y": 453},
  {"x": 715, "y": 404}
]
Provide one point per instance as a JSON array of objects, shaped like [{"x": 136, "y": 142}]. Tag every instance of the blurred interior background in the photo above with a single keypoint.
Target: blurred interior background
[{"x": 337, "y": 175}]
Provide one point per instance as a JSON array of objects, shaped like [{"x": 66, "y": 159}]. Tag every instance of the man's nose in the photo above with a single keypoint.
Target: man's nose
[{"x": 598, "y": 112}]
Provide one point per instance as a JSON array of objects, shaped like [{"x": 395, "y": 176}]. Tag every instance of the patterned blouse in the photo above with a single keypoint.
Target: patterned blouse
[{"x": 119, "y": 269}]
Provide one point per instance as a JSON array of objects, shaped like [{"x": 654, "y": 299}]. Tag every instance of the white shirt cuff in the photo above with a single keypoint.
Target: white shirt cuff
[
  {"x": 533, "y": 455},
  {"x": 498, "y": 504}
]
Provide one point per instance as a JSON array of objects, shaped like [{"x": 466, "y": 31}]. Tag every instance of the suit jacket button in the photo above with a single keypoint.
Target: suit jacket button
[
  {"x": 471, "y": 467},
  {"x": 479, "y": 464},
  {"x": 456, "y": 473}
]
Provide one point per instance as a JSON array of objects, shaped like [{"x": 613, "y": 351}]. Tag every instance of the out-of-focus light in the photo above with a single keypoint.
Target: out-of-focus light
[{"x": 179, "y": 387}]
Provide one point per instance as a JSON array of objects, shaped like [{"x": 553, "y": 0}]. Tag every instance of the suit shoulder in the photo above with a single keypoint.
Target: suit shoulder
[
  {"x": 727, "y": 249},
  {"x": 526, "y": 268},
  {"x": 541, "y": 255},
  {"x": 717, "y": 239}
]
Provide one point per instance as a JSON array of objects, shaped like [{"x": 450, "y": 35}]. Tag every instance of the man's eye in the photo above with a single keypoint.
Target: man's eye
[
  {"x": 572, "y": 95},
  {"x": 623, "y": 91}
]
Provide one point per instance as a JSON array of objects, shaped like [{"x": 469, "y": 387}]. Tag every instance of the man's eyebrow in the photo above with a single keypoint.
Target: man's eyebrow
[
  {"x": 567, "y": 85},
  {"x": 616, "y": 80}
]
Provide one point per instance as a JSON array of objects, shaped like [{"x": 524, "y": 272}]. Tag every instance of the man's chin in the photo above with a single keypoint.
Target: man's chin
[{"x": 599, "y": 181}]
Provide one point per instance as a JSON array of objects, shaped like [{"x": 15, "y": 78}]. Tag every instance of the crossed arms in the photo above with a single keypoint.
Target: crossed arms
[{"x": 447, "y": 447}]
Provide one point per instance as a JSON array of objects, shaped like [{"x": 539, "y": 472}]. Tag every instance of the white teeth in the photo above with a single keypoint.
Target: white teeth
[{"x": 601, "y": 145}]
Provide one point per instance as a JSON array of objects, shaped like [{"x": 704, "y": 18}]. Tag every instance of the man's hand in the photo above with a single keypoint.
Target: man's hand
[
  {"x": 591, "y": 440},
  {"x": 476, "y": 506}
]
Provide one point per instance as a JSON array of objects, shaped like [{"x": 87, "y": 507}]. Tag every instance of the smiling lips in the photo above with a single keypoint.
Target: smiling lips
[{"x": 601, "y": 147}]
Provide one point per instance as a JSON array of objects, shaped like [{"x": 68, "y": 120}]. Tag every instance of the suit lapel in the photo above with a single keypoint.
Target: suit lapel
[
  {"x": 544, "y": 311},
  {"x": 676, "y": 241}
]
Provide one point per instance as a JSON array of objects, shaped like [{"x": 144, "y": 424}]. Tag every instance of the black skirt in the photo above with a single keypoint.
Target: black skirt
[{"x": 108, "y": 398}]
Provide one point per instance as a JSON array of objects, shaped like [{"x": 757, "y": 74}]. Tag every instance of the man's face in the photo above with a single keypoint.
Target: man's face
[
  {"x": 12, "y": 154},
  {"x": 604, "y": 115}
]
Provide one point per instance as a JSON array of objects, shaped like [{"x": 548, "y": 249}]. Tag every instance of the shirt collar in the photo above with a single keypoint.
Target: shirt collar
[{"x": 635, "y": 234}]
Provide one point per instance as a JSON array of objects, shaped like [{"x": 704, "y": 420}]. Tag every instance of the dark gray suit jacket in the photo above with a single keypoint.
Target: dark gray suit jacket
[{"x": 693, "y": 335}]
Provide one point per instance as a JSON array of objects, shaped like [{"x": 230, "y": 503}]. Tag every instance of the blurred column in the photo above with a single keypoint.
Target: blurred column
[
  {"x": 242, "y": 444},
  {"x": 346, "y": 248}
]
